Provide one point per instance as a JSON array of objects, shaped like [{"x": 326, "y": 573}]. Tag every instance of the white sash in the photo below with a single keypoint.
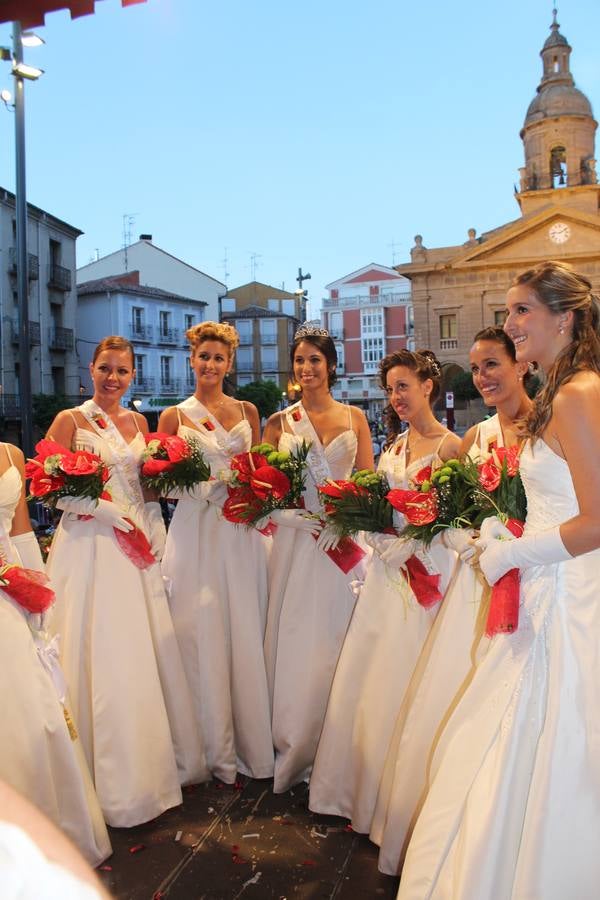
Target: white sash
[
  {"x": 318, "y": 467},
  {"x": 197, "y": 413}
]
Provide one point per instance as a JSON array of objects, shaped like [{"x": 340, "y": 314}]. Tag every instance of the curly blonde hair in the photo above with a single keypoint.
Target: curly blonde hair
[{"x": 213, "y": 331}]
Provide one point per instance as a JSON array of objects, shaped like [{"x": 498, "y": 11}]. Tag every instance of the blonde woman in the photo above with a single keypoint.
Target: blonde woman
[{"x": 218, "y": 574}]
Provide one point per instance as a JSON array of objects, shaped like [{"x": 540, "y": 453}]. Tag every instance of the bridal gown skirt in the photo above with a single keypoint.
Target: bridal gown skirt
[
  {"x": 37, "y": 754},
  {"x": 218, "y": 600},
  {"x": 382, "y": 646},
  {"x": 442, "y": 673},
  {"x": 310, "y": 605},
  {"x": 513, "y": 811},
  {"x": 128, "y": 690}
]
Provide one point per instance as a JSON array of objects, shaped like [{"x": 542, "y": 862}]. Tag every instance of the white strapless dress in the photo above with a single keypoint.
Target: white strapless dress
[{"x": 513, "y": 810}]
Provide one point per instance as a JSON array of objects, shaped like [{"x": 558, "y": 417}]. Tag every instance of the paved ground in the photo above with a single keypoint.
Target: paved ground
[{"x": 225, "y": 843}]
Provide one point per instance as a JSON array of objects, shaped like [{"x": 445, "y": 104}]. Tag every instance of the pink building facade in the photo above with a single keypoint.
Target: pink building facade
[{"x": 369, "y": 314}]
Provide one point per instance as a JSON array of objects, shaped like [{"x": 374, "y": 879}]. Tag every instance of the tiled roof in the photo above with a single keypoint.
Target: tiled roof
[
  {"x": 257, "y": 312},
  {"x": 114, "y": 286}
]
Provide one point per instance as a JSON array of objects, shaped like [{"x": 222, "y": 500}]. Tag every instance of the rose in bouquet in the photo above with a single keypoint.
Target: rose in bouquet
[
  {"x": 170, "y": 463},
  {"x": 358, "y": 504},
  {"x": 497, "y": 490},
  {"x": 74, "y": 480}
]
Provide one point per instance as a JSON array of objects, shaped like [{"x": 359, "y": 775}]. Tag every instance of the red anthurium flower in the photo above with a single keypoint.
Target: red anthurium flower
[
  {"x": 160, "y": 436},
  {"x": 419, "y": 507},
  {"x": 267, "y": 481},
  {"x": 489, "y": 475},
  {"x": 336, "y": 489},
  {"x": 177, "y": 449},
  {"x": 42, "y": 484},
  {"x": 241, "y": 505},
  {"x": 46, "y": 448},
  {"x": 246, "y": 463},
  {"x": 80, "y": 462},
  {"x": 156, "y": 466},
  {"x": 422, "y": 475}
]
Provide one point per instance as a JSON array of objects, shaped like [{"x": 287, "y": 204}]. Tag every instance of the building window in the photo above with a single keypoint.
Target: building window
[
  {"x": 273, "y": 305},
  {"x": 244, "y": 359},
  {"x": 336, "y": 329},
  {"x": 448, "y": 332},
  {"x": 140, "y": 367},
  {"x": 244, "y": 329},
  {"x": 268, "y": 331},
  {"x": 372, "y": 337},
  {"x": 244, "y": 379},
  {"x": 188, "y": 320},
  {"x": 340, "y": 357},
  {"x": 268, "y": 359},
  {"x": 137, "y": 320},
  {"x": 164, "y": 323},
  {"x": 499, "y": 317},
  {"x": 372, "y": 353},
  {"x": 371, "y": 321},
  {"x": 166, "y": 370}
]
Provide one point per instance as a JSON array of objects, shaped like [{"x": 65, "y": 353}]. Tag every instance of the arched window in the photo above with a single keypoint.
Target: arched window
[{"x": 558, "y": 167}]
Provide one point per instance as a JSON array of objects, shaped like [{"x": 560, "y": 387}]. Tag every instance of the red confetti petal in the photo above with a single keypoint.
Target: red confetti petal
[
  {"x": 308, "y": 862},
  {"x": 105, "y": 868},
  {"x": 136, "y": 848}
]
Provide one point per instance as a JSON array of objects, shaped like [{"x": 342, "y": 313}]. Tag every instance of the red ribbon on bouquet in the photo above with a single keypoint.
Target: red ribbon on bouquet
[
  {"x": 134, "y": 544},
  {"x": 346, "y": 555},
  {"x": 503, "y": 615},
  {"x": 27, "y": 587},
  {"x": 424, "y": 586}
]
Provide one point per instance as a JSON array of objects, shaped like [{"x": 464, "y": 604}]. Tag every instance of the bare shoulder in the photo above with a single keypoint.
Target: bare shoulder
[
  {"x": 249, "y": 409},
  {"x": 580, "y": 395},
  {"x": 467, "y": 441},
  {"x": 141, "y": 422},
  {"x": 16, "y": 454},
  {"x": 358, "y": 416},
  {"x": 168, "y": 420},
  {"x": 451, "y": 446}
]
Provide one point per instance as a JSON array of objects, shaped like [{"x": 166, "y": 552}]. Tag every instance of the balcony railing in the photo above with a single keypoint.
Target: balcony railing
[
  {"x": 35, "y": 337},
  {"x": 168, "y": 336},
  {"x": 268, "y": 339},
  {"x": 143, "y": 384},
  {"x": 399, "y": 299},
  {"x": 246, "y": 340},
  {"x": 140, "y": 332},
  {"x": 170, "y": 386},
  {"x": 448, "y": 343},
  {"x": 60, "y": 338},
  {"x": 33, "y": 264},
  {"x": 59, "y": 277}
]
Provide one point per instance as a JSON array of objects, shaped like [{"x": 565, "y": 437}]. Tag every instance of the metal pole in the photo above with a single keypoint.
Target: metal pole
[{"x": 22, "y": 257}]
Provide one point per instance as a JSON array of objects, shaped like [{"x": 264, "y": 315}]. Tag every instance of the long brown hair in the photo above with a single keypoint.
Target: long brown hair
[
  {"x": 425, "y": 365},
  {"x": 561, "y": 289}
]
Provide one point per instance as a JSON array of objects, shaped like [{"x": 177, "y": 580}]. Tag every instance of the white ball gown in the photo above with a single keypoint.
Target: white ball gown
[
  {"x": 310, "y": 605},
  {"x": 448, "y": 655},
  {"x": 381, "y": 648},
  {"x": 513, "y": 812},
  {"x": 119, "y": 652},
  {"x": 38, "y": 756},
  {"x": 218, "y": 600}
]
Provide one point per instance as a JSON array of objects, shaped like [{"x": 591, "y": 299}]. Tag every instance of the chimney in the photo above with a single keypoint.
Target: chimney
[{"x": 146, "y": 237}]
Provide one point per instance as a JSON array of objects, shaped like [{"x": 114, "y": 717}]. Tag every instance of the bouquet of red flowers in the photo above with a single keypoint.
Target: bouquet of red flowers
[
  {"x": 172, "y": 462},
  {"x": 58, "y": 473},
  {"x": 436, "y": 500},
  {"x": 358, "y": 504},
  {"x": 264, "y": 479},
  {"x": 497, "y": 490}
]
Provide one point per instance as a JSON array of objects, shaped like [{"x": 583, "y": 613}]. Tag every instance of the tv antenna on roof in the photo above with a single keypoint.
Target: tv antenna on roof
[{"x": 128, "y": 222}]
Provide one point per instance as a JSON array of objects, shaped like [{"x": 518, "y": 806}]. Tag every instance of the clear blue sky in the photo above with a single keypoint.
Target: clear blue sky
[{"x": 315, "y": 134}]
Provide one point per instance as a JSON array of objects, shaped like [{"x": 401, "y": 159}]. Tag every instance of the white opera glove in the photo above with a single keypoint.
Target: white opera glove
[
  {"x": 105, "y": 511},
  {"x": 157, "y": 532},
  {"x": 28, "y": 551},
  {"x": 398, "y": 552},
  {"x": 379, "y": 541},
  {"x": 212, "y": 491},
  {"x": 328, "y": 539},
  {"x": 461, "y": 540},
  {"x": 296, "y": 518},
  {"x": 502, "y": 552}
]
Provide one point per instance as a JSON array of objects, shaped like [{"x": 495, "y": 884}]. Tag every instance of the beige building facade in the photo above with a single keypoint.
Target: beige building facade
[{"x": 459, "y": 289}]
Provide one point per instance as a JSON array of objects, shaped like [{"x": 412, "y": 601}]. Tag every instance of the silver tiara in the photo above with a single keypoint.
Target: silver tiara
[{"x": 308, "y": 330}]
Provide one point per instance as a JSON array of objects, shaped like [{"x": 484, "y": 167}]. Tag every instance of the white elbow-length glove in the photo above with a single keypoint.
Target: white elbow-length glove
[
  {"x": 461, "y": 540},
  {"x": 296, "y": 518},
  {"x": 212, "y": 491},
  {"x": 398, "y": 552},
  {"x": 501, "y": 551},
  {"x": 28, "y": 551},
  {"x": 328, "y": 539},
  {"x": 157, "y": 532},
  {"x": 105, "y": 511}
]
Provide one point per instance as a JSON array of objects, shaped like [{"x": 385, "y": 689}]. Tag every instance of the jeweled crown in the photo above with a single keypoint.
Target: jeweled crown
[{"x": 308, "y": 330}]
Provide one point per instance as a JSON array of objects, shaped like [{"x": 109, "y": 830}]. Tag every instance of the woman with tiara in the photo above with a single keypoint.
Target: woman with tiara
[
  {"x": 119, "y": 653},
  {"x": 218, "y": 572},
  {"x": 513, "y": 809},
  {"x": 389, "y": 625},
  {"x": 456, "y": 637},
  {"x": 310, "y": 598},
  {"x": 40, "y": 756}
]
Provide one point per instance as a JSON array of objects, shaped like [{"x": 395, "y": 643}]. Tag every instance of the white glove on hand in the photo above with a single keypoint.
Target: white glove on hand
[
  {"x": 379, "y": 541},
  {"x": 398, "y": 552},
  {"x": 213, "y": 491},
  {"x": 328, "y": 539},
  {"x": 105, "y": 511},
  {"x": 296, "y": 518},
  {"x": 156, "y": 527},
  {"x": 461, "y": 540},
  {"x": 28, "y": 551},
  {"x": 502, "y": 552}
]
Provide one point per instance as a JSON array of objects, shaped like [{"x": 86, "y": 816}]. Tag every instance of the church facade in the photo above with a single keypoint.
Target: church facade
[{"x": 460, "y": 289}]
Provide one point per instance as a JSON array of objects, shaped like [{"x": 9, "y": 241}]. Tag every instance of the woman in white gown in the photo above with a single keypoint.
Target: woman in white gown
[
  {"x": 389, "y": 626},
  {"x": 514, "y": 805},
  {"x": 218, "y": 573},
  {"x": 310, "y": 598},
  {"x": 119, "y": 653},
  {"x": 449, "y": 652},
  {"x": 39, "y": 757}
]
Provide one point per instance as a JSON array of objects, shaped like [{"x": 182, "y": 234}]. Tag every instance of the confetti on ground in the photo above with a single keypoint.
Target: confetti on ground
[
  {"x": 255, "y": 834},
  {"x": 178, "y": 835},
  {"x": 136, "y": 848}
]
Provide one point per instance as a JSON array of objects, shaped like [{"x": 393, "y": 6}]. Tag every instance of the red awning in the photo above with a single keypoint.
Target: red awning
[{"x": 30, "y": 13}]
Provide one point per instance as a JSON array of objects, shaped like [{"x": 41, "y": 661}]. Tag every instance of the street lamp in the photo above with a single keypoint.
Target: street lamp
[{"x": 22, "y": 71}]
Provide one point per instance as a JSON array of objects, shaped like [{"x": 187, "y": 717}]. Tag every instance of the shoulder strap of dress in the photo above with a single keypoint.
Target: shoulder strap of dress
[
  {"x": 439, "y": 446},
  {"x": 477, "y": 436},
  {"x": 73, "y": 416},
  {"x": 243, "y": 410},
  {"x": 349, "y": 417},
  {"x": 136, "y": 422},
  {"x": 179, "y": 422},
  {"x": 283, "y": 421},
  {"x": 10, "y": 459}
]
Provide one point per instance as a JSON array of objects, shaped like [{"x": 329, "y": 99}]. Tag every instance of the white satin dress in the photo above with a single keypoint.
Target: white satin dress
[
  {"x": 119, "y": 653},
  {"x": 218, "y": 600},
  {"x": 513, "y": 811},
  {"x": 377, "y": 660},
  {"x": 444, "y": 666},
  {"x": 38, "y": 757},
  {"x": 310, "y": 605}
]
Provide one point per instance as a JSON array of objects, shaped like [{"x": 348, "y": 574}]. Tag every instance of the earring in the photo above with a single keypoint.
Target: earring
[{"x": 561, "y": 330}]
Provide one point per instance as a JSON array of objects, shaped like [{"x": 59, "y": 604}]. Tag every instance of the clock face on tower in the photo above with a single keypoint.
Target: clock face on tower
[{"x": 559, "y": 232}]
